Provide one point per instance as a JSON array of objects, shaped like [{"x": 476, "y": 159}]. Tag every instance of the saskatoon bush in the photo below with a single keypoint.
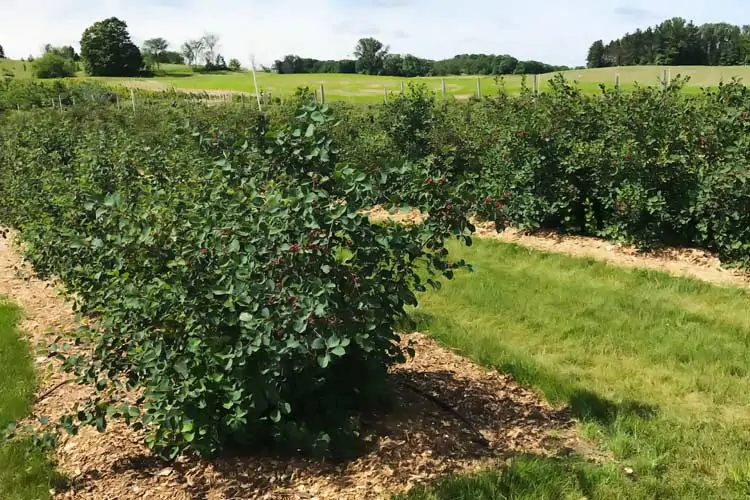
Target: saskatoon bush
[{"x": 246, "y": 299}]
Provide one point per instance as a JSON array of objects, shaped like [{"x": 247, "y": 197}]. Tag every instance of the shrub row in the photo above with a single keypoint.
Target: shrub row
[
  {"x": 650, "y": 167},
  {"x": 235, "y": 283}
]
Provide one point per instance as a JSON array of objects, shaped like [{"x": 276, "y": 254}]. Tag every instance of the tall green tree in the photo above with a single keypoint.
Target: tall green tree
[
  {"x": 107, "y": 50},
  {"x": 370, "y": 54},
  {"x": 2, "y": 52},
  {"x": 676, "y": 41},
  {"x": 209, "y": 44},
  {"x": 595, "y": 57},
  {"x": 154, "y": 48}
]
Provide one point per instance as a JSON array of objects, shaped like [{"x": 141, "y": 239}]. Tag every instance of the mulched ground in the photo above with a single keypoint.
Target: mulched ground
[{"x": 417, "y": 442}]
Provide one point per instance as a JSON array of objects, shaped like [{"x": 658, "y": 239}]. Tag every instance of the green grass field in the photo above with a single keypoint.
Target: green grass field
[
  {"x": 364, "y": 88},
  {"x": 371, "y": 88},
  {"x": 25, "y": 472},
  {"x": 655, "y": 367}
]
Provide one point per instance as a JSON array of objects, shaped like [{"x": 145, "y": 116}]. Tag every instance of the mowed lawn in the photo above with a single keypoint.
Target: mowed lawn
[
  {"x": 657, "y": 369},
  {"x": 25, "y": 471},
  {"x": 365, "y": 88}
]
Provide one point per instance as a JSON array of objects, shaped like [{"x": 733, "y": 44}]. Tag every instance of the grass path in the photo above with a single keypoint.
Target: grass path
[
  {"x": 25, "y": 472},
  {"x": 656, "y": 367}
]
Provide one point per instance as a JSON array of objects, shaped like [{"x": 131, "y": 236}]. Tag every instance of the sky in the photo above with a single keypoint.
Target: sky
[{"x": 553, "y": 31}]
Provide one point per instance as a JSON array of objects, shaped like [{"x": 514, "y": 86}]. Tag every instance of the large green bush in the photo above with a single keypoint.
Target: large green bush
[
  {"x": 239, "y": 288},
  {"x": 53, "y": 65}
]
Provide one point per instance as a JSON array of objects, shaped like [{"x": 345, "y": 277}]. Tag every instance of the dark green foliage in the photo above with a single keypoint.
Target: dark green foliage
[
  {"x": 370, "y": 55},
  {"x": 233, "y": 277},
  {"x": 676, "y": 42},
  {"x": 2, "y": 52},
  {"x": 651, "y": 167},
  {"x": 595, "y": 57},
  {"x": 407, "y": 65},
  {"x": 107, "y": 50},
  {"x": 54, "y": 65}
]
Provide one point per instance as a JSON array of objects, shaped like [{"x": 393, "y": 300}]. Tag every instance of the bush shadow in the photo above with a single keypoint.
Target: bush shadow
[{"x": 589, "y": 406}]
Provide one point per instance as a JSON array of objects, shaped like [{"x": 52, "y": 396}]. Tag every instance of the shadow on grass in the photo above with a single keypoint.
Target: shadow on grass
[
  {"x": 584, "y": 404},
  {"x": 524, "y": 477},
  {"x": 589, "y": 406}
]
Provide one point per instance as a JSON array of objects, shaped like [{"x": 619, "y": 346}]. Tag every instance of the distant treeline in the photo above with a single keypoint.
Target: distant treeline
[
  {"x": 374, "y": 59},
  {"x": 676, "y": 42}
]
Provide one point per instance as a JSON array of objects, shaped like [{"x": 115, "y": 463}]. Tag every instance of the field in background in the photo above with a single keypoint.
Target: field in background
[
  {"x": 14, "y": 69},
  {"x": 365, "y": 88}
]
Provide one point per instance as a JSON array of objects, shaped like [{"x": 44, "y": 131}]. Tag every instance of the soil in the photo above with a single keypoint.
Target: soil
[{"x": 416, "y": 442}]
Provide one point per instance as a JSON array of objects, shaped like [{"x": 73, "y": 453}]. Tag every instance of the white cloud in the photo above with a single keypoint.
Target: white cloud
[{"x": 553, "y": 31}]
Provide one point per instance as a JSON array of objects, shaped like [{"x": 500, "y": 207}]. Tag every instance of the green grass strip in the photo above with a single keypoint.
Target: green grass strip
[
  {"x": 656, "y": 367},
  {"x": 26, "y": 473}
]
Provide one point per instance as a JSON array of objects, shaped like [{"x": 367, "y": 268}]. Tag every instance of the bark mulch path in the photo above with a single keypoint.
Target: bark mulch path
[
  {"x": 688, "y": 262},
  {"x": 417, "y": 442}
]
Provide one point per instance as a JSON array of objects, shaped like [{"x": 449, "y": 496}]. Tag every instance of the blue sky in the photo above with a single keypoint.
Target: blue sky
[{"x": 554, "y": 31}]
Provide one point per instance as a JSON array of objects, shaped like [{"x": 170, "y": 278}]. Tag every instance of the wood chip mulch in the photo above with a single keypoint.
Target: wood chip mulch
[{"x": 419, "y": 441}]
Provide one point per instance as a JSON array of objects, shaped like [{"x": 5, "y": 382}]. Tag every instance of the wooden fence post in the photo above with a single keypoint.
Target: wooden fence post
[
  {"x": 132, "y": 99},
  {"x": 322, "y": 94},
  {"x": 385, "y": 95},
  {"x": 445, "y": 93},
  {"x": 536, "y": 84},
  {"x": 402, "y": 88},
  {"x": 617, "y": 80},
  {"x": 479, "y": 88}
]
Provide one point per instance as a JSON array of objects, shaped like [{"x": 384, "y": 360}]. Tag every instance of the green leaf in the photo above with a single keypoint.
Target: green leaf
[
  {"x": 246, "y": 317},
  {"x": 325, "y": 268},
  {"x": 300, "y": 325},
  {"x": 323, "y": 361},
  {"x": 338, "y": 351},
  {"x": 310, "y": 130},
  {"x": 180, "y": 366}
]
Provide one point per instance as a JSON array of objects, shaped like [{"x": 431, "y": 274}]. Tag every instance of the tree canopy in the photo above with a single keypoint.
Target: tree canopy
[
  {"x": 107, "y": 50},
  {"x": 374, "y": 58},
  {"x": 2, "y": 52},
  {"x": 675, "y": 42}
]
